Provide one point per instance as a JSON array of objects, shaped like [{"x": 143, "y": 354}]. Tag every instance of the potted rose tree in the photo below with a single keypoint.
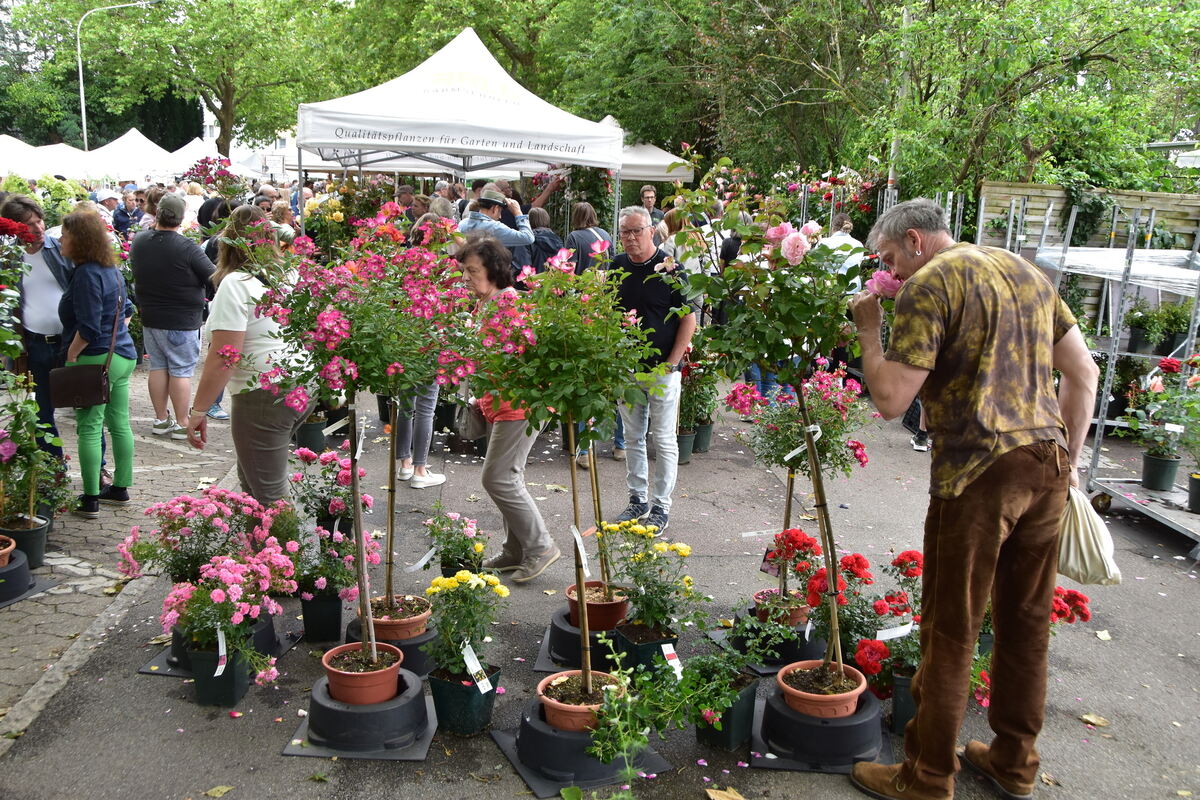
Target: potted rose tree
[
  {"x": 382, "y": 320},
  {"x": 1160, "y": 423},
  {"x": 788, "y": 285},
  {"x": 564, "y": 352}
]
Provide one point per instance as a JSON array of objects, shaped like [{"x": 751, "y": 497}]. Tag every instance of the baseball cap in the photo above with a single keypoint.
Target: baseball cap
[
  {"x": 129, "y": 187},
  {"x": 492, "y": 196},
  {"x": 170, "y": 211},
  {"x": 106, "y": 194}
]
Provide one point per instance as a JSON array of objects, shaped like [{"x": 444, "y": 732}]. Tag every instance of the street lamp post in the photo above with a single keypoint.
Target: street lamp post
[{"x": 79, "y": 56}]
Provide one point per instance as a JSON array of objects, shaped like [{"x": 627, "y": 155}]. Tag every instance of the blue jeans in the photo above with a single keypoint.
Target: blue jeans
[
  {"x": 764, "y": 382},
  {"x": 43, "y": 357},
  {"x": 414, "y": 425},
  {"x": 661, "y": 409},
  {"x": 618, "y": 435}
]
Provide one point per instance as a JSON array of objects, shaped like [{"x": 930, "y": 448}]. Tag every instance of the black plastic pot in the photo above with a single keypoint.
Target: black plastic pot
[
  {"x": 312, "y": 436},
  {"x": 819, "y": 743},
  {"x": 985, "y": 643},
  {"x": 795, "y": 649},
  {"x": 686, "y": 442},
  {"x": 564, "y": 642},
  {"x": 263, "y": 639},
  {"x": 415, "y": 659},
  {"x": 703, "y": 438},
  {"x": 737, "y": 723},
  {"x": 225, "y": 689},
  {"x": 390, "y": 725},
  {"x": 463, "y": 710},
  {"x": 31, "y": 541},
  {"x": 903, "y": 706},
  {"x": 345, "y": 524},
  {"x": 640, "y": 653},
  {"x": 443, "y": 416},
  {"x": 322, "y": 618},
  {"x": 1157, "y": 473},
  {"x": 1194, "y": 493},
  {"x": 15, "y": 578},
  {"x": 560, "y": 756}
]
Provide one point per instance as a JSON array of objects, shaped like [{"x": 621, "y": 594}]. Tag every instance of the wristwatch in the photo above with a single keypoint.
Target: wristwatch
[{"x": 677, "y": 366}]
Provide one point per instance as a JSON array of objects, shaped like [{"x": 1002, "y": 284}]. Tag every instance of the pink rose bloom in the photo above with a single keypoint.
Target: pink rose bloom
[
  {"x": 1156, "y": 385},
  {"x": 811, "y": 228},
  {"x": 779, "y": 232},
  {"x": 795, "y": 247},
  {"x": 320, "y": 582},
  {"x": 217, "y": 596},
  {"x": 306, "y": 596},
  {"x": 884, "y": 284},
  {"x": 292, "y": 546}
]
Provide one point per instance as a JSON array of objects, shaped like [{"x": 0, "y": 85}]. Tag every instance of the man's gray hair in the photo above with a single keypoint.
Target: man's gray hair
[
  {"x": 437, "y": 187},
  {"x": 633, "y": 211},
  {"x": 921, "y": 214}
]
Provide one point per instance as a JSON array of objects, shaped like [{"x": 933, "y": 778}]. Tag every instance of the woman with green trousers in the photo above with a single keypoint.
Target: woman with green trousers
[{"x": 89, "y": 311}]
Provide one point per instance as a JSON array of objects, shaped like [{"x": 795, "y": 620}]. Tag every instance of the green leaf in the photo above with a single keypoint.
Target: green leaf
[
  {"x": 571, "y": 793},
  {"x": 218, "y": 791}
]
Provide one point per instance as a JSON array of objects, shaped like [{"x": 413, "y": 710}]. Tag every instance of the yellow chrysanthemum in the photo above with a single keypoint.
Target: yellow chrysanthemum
[
  {"x": 688, "y": 582},
  {"x": 479, "y": 547},
  {"x": 501, "y": 590},
  {"x": 661, "y": 547},
  {"x": 491, "y": 580},
  {"x": 463, "y": 575},
  {"x": 608, "y": 527},
  {"x": 640, "y": 530},
  {"x": 432, "y": 590},
  {"x": 682, "y": 549}
]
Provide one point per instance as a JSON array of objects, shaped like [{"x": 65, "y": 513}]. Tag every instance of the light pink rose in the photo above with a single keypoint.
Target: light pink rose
[
  {"x": 795, "y": 247},
  {"x": 884, "y": 284},
  {"x": 779, "y": 232},
  {"x": 811, "y": 228}
]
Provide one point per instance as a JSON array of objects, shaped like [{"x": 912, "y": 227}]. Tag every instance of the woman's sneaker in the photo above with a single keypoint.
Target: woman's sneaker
[
  {"x": 920, "y": 442},
  {"x": 115, "y": 496},
  {"x": 88, "y": 508}
]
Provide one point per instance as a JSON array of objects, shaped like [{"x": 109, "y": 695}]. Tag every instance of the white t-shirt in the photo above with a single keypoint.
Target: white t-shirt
[
  {"x": 232, "y": 309},
  {"x": 40, "y": 295}
]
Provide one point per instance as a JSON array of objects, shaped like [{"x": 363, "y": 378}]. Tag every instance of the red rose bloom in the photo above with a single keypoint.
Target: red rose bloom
[
  {"x": 1170, "y": 365},
  {"x": 870, "y": 655},
  {"x": 857, "y": 565},
  {"x": 881, "y": 608},
  {"x": 910, "y": 563}
]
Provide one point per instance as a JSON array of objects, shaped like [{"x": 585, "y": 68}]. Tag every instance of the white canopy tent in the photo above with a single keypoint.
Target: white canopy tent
[
  {"x": 645, "y": 162},
  {"x": 62, "y": 159},
  {"x": 458, "y": 110},
  {"x": 19, "y": 158},
  {"x": 131, "y": 155}
]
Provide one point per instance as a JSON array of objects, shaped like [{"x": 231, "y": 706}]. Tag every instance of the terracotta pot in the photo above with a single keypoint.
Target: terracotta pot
[
  {"x": 601, "y": 616},
  {"x": 824, "y": 706},
  {"x": 791, "y": 617},
  {"x": 564, "y": 716},
  {"x": 363, "y": 688},
  {"x": 394, "y": 630},
  {"x": 7, "y": 545}
]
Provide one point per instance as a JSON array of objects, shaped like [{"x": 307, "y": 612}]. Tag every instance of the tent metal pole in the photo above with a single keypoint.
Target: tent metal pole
[
  {"x": 616, "y": 202},
  {"x": 300, "y": 200}
]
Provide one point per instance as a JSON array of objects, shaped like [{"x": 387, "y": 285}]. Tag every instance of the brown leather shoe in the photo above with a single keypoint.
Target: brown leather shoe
[
  {"x": 506, "y": 561},
  {"x": 882, "y": 781},
  {"x": 977, "y": 756}
]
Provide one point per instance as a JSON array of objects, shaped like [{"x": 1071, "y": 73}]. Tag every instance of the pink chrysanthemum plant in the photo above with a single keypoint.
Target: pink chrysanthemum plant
[{"x": 229, "y": 595}]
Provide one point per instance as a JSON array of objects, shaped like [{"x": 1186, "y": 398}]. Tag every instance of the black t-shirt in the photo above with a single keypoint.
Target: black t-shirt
[
  {"x": 645, "y": 291},
  {"x": 170, "y": 272}
]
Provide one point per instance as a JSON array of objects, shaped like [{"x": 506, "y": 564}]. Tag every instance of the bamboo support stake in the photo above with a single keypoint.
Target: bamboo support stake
[
  {"x": 585, "y": 639},
  {"x": 601, "y": 545},
  {"x": 360, "y": 563},
  {"x": 787, "y": 523},
  {"x": 393, "y": 416}
]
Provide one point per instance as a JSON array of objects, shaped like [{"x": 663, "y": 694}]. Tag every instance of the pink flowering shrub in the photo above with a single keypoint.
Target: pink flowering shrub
[
  {"x": 320, "y": 485},
  {"x": 458, "y": 541},
  {"x": 230, "y": 593}
]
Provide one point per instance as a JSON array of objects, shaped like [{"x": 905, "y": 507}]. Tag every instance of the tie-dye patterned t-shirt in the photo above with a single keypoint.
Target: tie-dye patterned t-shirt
[{"x": 984, "y": 322}]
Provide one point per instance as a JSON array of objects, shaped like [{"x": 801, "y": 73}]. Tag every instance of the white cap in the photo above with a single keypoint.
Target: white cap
[{"x": 106, "y": 194}]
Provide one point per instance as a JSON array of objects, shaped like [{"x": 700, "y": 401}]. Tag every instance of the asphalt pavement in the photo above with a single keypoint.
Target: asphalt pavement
[{"x": 81, "y": 722}]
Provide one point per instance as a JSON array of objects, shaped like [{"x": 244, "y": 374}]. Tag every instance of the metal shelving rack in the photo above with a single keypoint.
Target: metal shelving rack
[{"x": 1167, "y": 507}]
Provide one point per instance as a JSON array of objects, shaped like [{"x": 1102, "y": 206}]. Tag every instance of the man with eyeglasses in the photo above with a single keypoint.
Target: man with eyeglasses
[{"x": 644, "y": 291}]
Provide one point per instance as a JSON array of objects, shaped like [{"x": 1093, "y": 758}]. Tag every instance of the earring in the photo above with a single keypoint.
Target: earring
[{"x": 918, "y": 253}]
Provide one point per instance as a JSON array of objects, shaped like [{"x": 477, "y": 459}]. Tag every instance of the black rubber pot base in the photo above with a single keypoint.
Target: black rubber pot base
[
  {"x": 17, "y": 582},
  {"x": 561, "y": 748},
  {"x": 417, "y": 751},
  {"x": 415, "y": 659},
  {"x": 823, "y": 732},
  {"x": 159, "y": 665}
]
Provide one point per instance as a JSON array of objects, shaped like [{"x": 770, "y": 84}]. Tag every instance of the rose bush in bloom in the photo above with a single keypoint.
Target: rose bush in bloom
[
  {"x": 320, "y": 485},
  {"x": 457, "y": 540},
  {"x": 229, "y": 594}
]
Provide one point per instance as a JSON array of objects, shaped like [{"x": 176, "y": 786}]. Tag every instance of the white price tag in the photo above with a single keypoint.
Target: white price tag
[
  {"x": 424, "y": 560},
  {"x": 1173, "y": 427},
  {"x": 807, "y": 630},
  {"x": 587, "y": 573},
  {"x": 672, "y": 658},
  {"x": 222, "y": 656},
  {"x": 894, "y": 633},
  {"x": 476, "y": 669}
]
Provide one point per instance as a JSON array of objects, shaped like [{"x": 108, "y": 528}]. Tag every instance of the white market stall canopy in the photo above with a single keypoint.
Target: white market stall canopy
[
  {"x": 61, "y": 159},
  {"x": 130, "y": 156},
  {"x": 645, "y": 162},
  {"x": 458, "y": 110}
]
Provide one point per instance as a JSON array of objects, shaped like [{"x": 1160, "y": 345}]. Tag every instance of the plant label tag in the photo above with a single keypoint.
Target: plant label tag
[
  {"x": 1173, "y": 427},
  {"x": 815, "y": 430},
  {"x": 766, "y": 565},
  {"x": 894, "y": 633},
  {"x": 222, "y": 655},
  {"x": 337, "y": 426},
  {"x": 807, "y": 630},
  {"x": 672, "y": 658},
  {"x": 794, "y": 454},
  {"x": 476, "y": 669},
  {"x": 425, "y": 559},
  {"x": 587, "y": 573}
]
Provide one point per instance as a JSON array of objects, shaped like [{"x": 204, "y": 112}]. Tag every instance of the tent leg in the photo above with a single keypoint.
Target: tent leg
[
  {"x": 616, "y": 202},
  {"x": 300, "y": 200}
]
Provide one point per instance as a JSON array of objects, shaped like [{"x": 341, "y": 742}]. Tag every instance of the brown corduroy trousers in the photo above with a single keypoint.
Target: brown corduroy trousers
[{"x": 998, "y": 540}]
